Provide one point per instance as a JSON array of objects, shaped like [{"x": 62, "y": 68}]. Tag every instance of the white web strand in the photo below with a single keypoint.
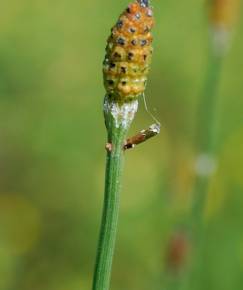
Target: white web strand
[{"x": 149, "y": 112}]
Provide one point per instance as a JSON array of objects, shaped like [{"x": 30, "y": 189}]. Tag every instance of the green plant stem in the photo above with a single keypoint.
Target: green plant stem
[
  {"x": 206, "y": 146},
  {"x": 110, "y": 211},
  {"x": 206, "y": 134},
  {"x": 118, "y": 119}
]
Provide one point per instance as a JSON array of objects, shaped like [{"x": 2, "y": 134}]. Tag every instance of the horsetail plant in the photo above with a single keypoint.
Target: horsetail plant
[
  {"x": 222, "y": 16},
  {"x": 125, "y": 69}
]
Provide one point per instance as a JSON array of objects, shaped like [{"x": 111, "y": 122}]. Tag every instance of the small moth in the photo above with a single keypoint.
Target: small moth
[
  {"x": 128, "y": 53},
  {"x": 139, "y": 138},
  {"x": 142, "y": 136}
]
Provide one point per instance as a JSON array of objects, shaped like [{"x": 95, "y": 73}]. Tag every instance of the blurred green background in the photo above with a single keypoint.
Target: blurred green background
[{"x": 52, "y": 155}]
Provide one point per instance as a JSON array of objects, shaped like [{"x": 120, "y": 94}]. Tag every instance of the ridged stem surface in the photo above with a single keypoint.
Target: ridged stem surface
[{"x": 118, "y": 119}]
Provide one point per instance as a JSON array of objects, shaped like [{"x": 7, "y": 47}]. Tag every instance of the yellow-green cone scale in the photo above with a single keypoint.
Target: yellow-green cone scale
[{"x": 128, "y": 53}]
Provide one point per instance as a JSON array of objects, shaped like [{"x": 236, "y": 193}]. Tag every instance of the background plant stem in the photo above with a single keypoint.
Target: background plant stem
[
  {"x": 114, "y": 164},
  {"x": 206, "y": 133},
  {"x": 205, "y": 144},
  {"x": 206, "y": 138}
]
